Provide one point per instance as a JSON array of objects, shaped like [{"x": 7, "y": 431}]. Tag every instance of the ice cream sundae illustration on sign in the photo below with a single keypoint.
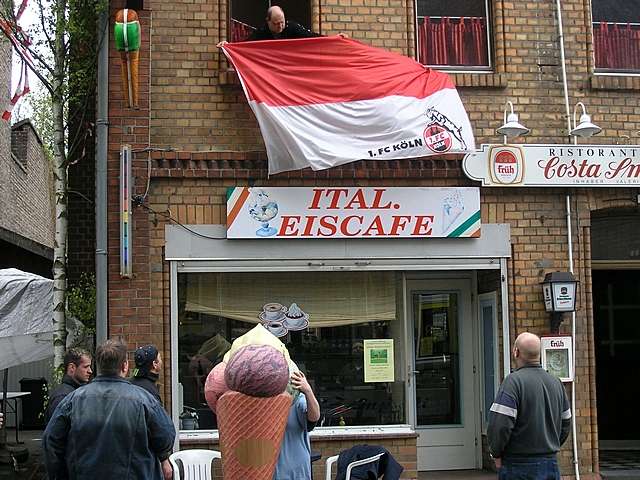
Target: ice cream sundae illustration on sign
[
  {"x": 279, "y": 319},
  {"x": 352, "y": 212},
  {"x": 263, "y": 209}
]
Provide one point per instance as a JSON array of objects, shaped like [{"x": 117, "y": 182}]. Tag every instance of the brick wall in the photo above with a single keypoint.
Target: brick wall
[
  {"x": 403, "y": 450},
  {"x": 5, "y": 130},
  {"x": 197, "y": 106},
  {"x": 538, "y": 228},
  {"x": 29, "y": 186},
  {"x": 81, "y": 237}
]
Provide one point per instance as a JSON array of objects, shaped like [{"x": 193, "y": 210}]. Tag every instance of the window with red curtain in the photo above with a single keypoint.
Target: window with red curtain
[
  {"x": 453, "y": 33},
  {"x": 616, "y": 35}
]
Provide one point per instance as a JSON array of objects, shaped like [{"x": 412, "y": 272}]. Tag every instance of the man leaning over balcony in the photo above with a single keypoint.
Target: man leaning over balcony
[{"x": 278, "y": 28}]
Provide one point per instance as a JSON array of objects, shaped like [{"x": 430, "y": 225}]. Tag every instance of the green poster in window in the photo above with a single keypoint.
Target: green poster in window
[{"x": 378, "y": 361}]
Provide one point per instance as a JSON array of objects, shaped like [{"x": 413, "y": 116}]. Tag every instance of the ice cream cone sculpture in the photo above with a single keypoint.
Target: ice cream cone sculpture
[
  {"x": 127, "y": 38},
  {"x": 247, "y": 392},
  {"x": 251, "y": 432}
]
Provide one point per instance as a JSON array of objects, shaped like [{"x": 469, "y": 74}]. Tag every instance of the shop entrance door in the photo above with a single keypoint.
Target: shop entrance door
[{"x": 442, "y": 381}]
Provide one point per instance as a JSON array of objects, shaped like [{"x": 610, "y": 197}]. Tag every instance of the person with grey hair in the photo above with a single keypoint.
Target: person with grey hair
[
  {"x": 109, "y": 428},
  {"x": 529, "y": 419}
]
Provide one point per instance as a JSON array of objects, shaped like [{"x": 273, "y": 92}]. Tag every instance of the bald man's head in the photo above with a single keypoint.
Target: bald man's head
[
  {"x": 527, "y": 349},
  {"x": 275, "y": 19}
]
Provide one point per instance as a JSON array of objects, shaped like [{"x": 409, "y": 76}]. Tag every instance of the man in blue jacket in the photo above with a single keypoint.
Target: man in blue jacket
[{"x": 109, "y": 428}]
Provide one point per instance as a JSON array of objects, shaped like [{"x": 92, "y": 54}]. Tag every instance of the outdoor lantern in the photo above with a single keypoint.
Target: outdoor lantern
[
  {"x": 584, "y": 128},
  {"x": 511, "y": 127},
  {"x": 559, "y": 290}
]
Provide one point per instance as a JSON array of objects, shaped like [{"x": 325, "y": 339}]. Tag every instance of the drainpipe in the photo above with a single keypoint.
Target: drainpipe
[
  {"x": 563, "y": 65},
  {"x": 102, "y": 133},
  {"x": 576, "y": 464}
]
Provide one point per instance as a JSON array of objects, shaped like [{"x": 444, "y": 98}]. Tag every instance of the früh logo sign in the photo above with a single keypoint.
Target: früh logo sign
[{"x": 554, "y": 165}]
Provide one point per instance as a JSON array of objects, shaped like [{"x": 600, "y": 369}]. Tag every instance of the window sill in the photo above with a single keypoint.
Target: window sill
[
  {"x": 320, "y": 433},
  {"x": 478, "y": 79},
  {"x": 614, "y": 82},
  {"x": 467, "y": 79}
]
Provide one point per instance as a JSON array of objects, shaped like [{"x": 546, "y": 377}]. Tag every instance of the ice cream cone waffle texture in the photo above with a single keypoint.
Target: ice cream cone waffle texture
[
  {"x": 129, "y": 75},
  {"x": 251, "y": 431}
]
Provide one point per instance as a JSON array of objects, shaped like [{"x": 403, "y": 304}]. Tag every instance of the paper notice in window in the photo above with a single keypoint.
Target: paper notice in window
[{"x": 378, "y": 361}]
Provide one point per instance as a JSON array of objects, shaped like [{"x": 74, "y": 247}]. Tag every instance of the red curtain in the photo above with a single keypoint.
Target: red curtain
[
  {"x": 240, "y": 31},
  {"x": 447, "y": 41},
  {"x": 617, "y": 46}
]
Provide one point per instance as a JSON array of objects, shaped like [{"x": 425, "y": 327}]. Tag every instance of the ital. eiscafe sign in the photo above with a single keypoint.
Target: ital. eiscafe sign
[
  {"x": 352, "y": 212},
  {"x": 554, "y": 165}
]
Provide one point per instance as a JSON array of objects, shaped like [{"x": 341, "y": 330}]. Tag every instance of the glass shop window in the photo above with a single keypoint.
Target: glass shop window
[
  {"x": 454, "y": 33},
  {"x": 322, "y": 317},
  {"x": 616, "y": 35},
  {"x": 247, "y": 16}
]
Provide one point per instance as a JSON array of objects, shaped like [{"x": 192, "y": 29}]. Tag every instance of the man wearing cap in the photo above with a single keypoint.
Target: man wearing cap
[
  {"x": 148, "y": 368},
  {"x": 77, "y": 372}
]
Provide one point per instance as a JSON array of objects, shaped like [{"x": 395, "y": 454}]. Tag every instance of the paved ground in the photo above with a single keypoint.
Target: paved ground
[
  {"x": 620, "y": 464},
  {"x": 458, "y": 475},
  {"x": 615, "y": 464},
  {"x": 30, "y": 470}
]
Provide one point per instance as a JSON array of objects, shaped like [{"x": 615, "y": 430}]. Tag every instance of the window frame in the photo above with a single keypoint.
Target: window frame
[
  {"x": 489, "y": 68},
  {"x": 605, "y": 71},
  {"x": 176, "y": 392},
  {"x": 270, "y": 3},
  {"x": 488, "y": 299}
]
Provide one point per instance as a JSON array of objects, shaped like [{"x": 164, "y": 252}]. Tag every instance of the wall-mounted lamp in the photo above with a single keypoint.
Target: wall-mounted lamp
[
  {"x": 559, "y": 290},
  {"x": 511, "y": 127},
  {"x": 584, "y": 128}
]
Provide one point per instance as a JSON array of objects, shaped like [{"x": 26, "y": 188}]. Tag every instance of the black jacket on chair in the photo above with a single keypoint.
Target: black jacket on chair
[{"x": 387, "y": 465}]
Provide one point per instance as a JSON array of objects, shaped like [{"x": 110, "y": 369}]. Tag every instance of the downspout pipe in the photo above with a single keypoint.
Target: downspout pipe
[
  {"x": 565, "y": 85},
  {"x": 563, "y": 66},
  {"x": 102, "y": 135},
  {"x": 574, "y": 432}
]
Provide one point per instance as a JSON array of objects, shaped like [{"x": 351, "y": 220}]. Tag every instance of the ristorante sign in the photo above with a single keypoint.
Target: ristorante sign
[
  {"x": 352, "y": 212},
  {"x": 555, "y": 165}
]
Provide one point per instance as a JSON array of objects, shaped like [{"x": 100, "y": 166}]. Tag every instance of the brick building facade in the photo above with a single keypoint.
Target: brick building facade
[
  {"x": 26, "y": 191},
  {"x": 203, "y": 139}
]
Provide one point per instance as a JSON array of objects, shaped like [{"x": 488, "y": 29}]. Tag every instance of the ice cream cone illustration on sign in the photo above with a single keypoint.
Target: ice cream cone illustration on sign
[
  {"x": 452, "y": 208},
  {"x": 127, "y": 38},
  {"x": 506, "y": 165}
]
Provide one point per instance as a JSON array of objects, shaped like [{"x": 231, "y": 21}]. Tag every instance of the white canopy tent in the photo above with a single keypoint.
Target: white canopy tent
[{"x": 26, "y": 317}]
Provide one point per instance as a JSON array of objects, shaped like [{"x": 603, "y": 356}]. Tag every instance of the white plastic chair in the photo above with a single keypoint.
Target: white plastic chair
[
  {"x": 331, "y": 460},
  {"x": 196, "y": 464}
]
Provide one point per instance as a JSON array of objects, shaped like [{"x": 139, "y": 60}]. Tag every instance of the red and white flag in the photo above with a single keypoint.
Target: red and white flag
[{"x": 326, "y": 101}]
